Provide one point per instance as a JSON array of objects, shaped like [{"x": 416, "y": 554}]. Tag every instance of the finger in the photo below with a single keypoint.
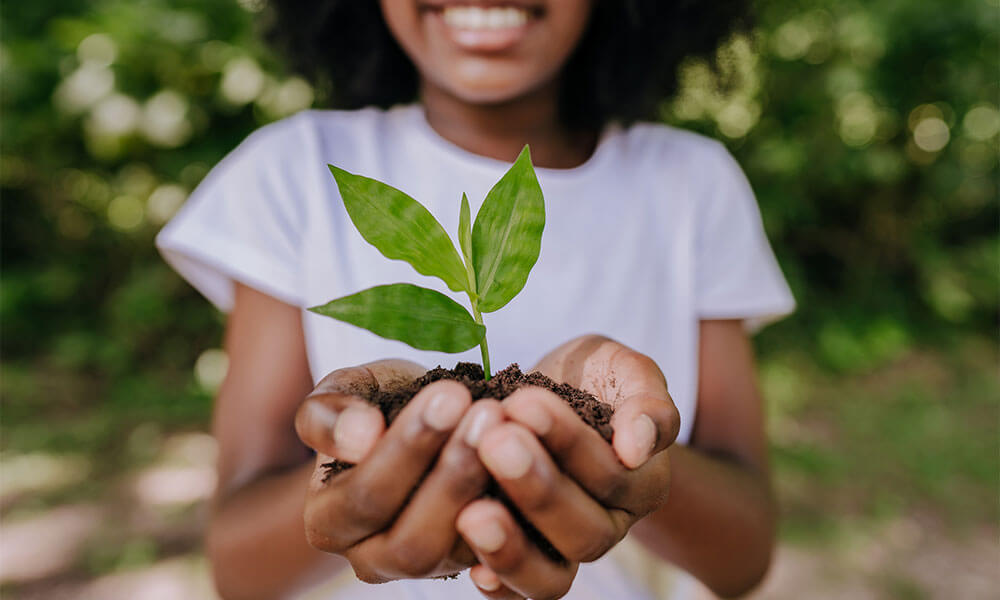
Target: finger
[
  {"x": 337, "y": 420},
  {"x": 586, "y": 457},
  {"x": 368, "y": 497},
  {"x": 421, "y": 540},
  {"x": 644, "y": 425},
  {"x": 489, "y": 584},
  {"x": 502, "y": 546},
  {"x": 339, "y": 425},
  {"x": 577, "y": 525},
  {"x": 364, "y": 380}
]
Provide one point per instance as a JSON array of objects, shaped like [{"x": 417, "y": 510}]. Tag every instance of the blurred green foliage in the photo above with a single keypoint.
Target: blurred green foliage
[{"x": 868, "y": 129}]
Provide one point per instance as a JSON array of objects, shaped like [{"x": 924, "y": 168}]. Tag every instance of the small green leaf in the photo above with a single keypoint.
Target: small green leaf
[
  {"x": 465, "y": 241},
  {"x": 422, "y": 318},
  {"x": 400, "y": 227},
  {"x": 465, "y": 228},
  {"x": 507, "y": 236}
]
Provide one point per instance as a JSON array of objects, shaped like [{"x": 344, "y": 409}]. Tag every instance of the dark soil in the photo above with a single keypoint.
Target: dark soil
[{"x": 594, "y": 412}]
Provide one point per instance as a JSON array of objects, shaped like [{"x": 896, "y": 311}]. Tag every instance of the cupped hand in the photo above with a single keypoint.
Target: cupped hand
[
  {"x": 581, "y": 493},
  {"x": 393, "y": 515}
]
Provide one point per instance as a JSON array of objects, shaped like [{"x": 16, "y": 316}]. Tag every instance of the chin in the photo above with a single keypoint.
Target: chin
[{"x": 478, "y": 83}]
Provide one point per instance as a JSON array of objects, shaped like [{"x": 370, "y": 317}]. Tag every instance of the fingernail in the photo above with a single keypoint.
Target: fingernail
[
  {"x": 643, "y": 436},
  {"x": 485, "y": 580},
  {"x": 486, "y": 536},
  {"x": 509, "y": 459},
  {"x": 535, "y": 417},
  {"x": 322, "y": 414},
  {"x": 478, "y": 425},
  {"x": 443, "y": 411},
  {"x": 352, "y": 434}
]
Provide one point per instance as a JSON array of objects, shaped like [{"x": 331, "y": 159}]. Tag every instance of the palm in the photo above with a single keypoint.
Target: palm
[{"x": 609, "y": 370}]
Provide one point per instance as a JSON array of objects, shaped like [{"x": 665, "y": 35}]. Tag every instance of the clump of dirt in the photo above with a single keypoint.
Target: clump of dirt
[{"x": 595, "y": 413}]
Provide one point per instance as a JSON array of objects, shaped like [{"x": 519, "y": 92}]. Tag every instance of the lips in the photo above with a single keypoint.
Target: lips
[{"x": 483, "y": 26}]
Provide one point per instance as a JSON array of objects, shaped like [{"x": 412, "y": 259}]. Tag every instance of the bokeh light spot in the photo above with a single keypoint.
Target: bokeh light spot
[
  {"x": 84, "y": 87},
  {"x": 931, "y": 135},
  {"x": 981, "y": 122},
  {"x": 164, "y": 202},
  {"x": 125, "y": 213},
  {"x": 242, "y": 81},
  {"x": 164, "y": 119},
  {"x": 98, "y": 49},
  {"x": 210, "y": 368}
]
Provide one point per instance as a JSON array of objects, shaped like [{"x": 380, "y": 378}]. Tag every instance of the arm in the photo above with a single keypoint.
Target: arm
[
  {"x": 719, "y": 521},
  {"x": 277, "y": 522},
  {"x": 256, "y": 541}
]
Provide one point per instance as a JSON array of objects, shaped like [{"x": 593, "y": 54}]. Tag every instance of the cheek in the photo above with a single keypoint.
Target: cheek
[
  {"x": 403, "y": 20},
  {"x": 567, "y": 23},
  {"x": 569, "y": 19}
]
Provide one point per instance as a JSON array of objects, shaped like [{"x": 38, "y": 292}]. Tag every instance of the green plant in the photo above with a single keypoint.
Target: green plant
[{"x": 497, "y": 253}]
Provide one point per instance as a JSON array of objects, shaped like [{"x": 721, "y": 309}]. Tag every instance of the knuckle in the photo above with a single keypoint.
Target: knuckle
[
  {"x": 609, "y": 485},
  {"x": 640, "y": 361},
  {"x": 412, "y": 558},
  {"x": 464, "y": 473},
  {"x": 557, "y": 590},
  {"x": 321, "y": 541},
  {"x": 366, "y": 574},
  {"x": 539, "y": 496},
  {"x": 506, "y": 563},
  {"x": 416, "y": 437},
  {"x": 367, "y": 507},
  {"x": 591, "y": 547}
]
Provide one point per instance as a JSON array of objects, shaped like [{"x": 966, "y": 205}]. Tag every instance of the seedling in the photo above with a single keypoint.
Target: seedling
[{"x": 497, "y": 254}]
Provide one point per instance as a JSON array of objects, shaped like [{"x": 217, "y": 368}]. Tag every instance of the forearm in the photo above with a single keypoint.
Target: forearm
[
  {"x": 718, "y": 523},
  {"x": 256, "y": 539}
]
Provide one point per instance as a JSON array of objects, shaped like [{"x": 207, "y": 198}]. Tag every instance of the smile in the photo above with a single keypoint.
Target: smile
[
  {"x": 490, "y": 27},
  {"x": 488, "y": 18}
]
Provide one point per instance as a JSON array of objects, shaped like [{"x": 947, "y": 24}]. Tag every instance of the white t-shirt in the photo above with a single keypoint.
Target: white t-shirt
[{"x": 657, "y": 230}]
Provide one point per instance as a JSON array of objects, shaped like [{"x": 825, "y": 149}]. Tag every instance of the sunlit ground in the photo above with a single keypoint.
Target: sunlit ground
[{"x": 888, "y": 483}]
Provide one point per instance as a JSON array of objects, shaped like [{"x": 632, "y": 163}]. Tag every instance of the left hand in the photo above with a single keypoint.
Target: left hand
[{"x": 581, "y": 493}]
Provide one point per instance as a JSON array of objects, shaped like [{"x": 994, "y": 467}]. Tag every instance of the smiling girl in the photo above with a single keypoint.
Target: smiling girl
[{"x": 653, "y": 240}]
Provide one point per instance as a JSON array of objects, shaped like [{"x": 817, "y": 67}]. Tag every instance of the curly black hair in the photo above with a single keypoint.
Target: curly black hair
[{"x": 624, "y": 67}]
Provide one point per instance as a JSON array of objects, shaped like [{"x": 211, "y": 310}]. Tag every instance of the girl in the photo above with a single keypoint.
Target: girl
[{"x": 653, "y": 238}]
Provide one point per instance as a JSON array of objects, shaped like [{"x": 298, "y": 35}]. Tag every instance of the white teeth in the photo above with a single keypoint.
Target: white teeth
[{"x": 478, "y": 17}]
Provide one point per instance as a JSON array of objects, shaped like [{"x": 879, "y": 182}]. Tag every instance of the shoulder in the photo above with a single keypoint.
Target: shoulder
[
  {"x": 317, "y": 132},
  {"x": 305, "y": 131},
  {"x": 693, "y": 169},
  {"x": 666, "y": 147},
  {"x": 292, "y": 153}
]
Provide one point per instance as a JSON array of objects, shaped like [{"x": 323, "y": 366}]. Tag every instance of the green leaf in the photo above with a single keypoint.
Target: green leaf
[
  {"x": 507, "y": 236},
  {"x": 400, "y": 227},
  {"x": 465, "y": 241},
  {"x": 422, "y": 318},
  {"x": 464, "y": 228}
]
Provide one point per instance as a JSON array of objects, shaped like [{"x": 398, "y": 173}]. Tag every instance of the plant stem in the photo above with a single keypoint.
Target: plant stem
[{"x": 483, "y": 346}]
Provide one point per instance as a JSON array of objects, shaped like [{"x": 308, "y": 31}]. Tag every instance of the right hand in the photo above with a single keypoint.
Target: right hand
[{"x": 393, "y": 515}]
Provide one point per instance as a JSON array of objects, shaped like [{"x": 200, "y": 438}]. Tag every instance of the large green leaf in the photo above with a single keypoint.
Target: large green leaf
[
  {"x": 507, "y": 236},
  {"x": 400, "y": 227},
  {"x": 423, "y": 318}
]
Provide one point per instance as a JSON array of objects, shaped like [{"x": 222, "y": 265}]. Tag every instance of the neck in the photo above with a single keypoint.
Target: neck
[{"x": 501, "y": 130}]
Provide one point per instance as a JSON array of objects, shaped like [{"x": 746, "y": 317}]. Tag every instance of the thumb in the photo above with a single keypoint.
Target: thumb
[
  {"x": 644, "y": 425},
  {"x": 343, "y": 426}
]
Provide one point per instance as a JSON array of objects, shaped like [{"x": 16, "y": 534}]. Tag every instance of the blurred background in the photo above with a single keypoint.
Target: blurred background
[{"x": 868, "y": 129}]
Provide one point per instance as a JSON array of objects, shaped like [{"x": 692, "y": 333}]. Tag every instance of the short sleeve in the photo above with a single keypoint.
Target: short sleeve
[
  {"x": 736, "y": 273},
  {"x": 244, "y": 222}
]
